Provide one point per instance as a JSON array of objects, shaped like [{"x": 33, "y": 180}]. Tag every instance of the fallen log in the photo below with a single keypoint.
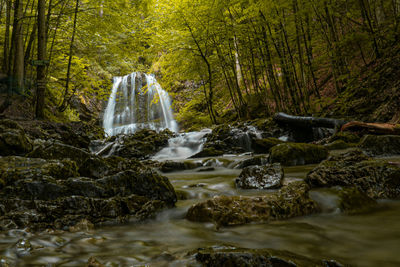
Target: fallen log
[
  {"x": 372, "y": 128},
  {"x": 308, "y": 122}
]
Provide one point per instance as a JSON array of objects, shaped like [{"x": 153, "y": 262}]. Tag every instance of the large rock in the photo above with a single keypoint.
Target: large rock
[
  {"x": 39, "y": 193},
  {"x": 57, "y": 150},
  {"x": 13, "y": 140},
  {"x": 141, "y": 145},
  {"x": 232, "y": 256},
  {"x": 291, "y": 201},
  {"x": 226, "y": 139},
  {"x": 377, "y": 145},
  {"x": 291, "y": 154},
  {"x": 260, "y": 177},
  {"x": 77, "y": 134},
  {"x": 264, "y": 145},
  {"x": 376, "y": 177}
]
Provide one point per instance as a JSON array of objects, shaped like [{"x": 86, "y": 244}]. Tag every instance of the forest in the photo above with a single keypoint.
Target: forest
[{"x": 199, "y": 132}]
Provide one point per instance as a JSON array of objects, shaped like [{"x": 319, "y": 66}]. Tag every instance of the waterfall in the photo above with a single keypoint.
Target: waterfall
[{"x": 137, "y": 101}]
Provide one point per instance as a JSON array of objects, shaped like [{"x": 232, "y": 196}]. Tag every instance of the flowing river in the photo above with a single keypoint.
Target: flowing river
[{"x": 367, "y": 239}]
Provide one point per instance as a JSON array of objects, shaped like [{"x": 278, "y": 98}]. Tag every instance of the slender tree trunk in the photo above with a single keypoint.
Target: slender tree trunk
[
  {"x": 6, "y": 50},
  {"x": 18, "y": 66},
  {"x": 64, "y": 104},
  {"x": 41, "y": 69}
]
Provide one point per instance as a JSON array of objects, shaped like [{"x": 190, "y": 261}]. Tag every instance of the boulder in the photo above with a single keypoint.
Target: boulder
[
  {"x": 257, "y": 160},
  {"x": 39, "y": 194},
  {"x": 338, "y": 144},
  {"x": 290, "y": 201},
  {"x": 13, "y": 140},
  {"x": 378, "y": 145},
  {"x": 346, "y": 137},
  {"x": 261, "y": 177},
  {"x": 233, "y": 256},
  {"x": 264, "y": 145},
  {"x": 227, "y": 139},
  {"x": 377, "y": 178},
  {"x": 292, "y": 154},
  {"x": 56, "y": 150},
  {"x": 141, "y": 145},
  {"x": 172, "y": 166}
]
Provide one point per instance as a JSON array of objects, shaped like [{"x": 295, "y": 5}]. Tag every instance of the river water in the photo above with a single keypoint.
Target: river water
[{"x": 367, "y": 239}]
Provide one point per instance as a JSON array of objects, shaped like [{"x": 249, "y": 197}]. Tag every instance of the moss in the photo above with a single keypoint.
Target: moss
[
  {"x": 346, "y": 137},
  {"x": 264, "y": 145},
  {"x": 339, "y": 144},
  {"x": 291, "y": 154},
  {"x": 380, "y": 145},
  {"x": 208, "y": 152},
  {"x": 353, "y": 201}
]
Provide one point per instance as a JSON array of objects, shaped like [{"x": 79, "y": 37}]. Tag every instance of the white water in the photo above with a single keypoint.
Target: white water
[
  {"x": 137, "y": 101},
  {"x": 183, "y": 146}
]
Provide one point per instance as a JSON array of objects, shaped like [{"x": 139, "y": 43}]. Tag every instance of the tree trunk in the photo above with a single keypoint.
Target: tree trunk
[
  {"x": 64, "y": 103},
  {"x": 41, "y": 69},
  {"x": 308, "y": 121},
  {"x": 6, "y": 51},
  {"x": 18, "y": 56}
]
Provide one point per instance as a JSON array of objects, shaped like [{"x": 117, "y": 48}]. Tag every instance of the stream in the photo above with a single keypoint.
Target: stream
[{"x": 367, "y": 239}]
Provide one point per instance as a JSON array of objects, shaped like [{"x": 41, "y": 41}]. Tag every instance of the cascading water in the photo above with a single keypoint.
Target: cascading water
[{"x": 137, "y": 101}]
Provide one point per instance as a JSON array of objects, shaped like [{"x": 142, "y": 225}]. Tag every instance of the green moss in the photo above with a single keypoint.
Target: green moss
[
  {"x": 264, "y": 145},
  {"x": 291, "y": 154},
  {"x": 339, "y": 144},
  {"x": 345, "y": 137}
]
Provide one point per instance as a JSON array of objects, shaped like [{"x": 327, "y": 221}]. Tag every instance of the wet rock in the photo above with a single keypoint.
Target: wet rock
[
  {"x": 257, "y": 160},
  {"x": 264, "y": 145},
  {"x": 377, "y": 145},
  {"x": 338, "y": 144},
  {"x": 347, "y": 137},
  {"x": 291, "y": 201},
  {"x": 232, "y": 256},
  {"x": 97, "y": 167},
  {"x": 13, "y": 169},
  {"x": 141, "y": 145},
  {"x": 57, "y": 150},
  {"x": 77, "y": 134},
  {"x": 82, "y": 226},
  {"x": 226, "y": 139},
  {"x": 172, "y": 166},
  {"x": 40, "y": 194},
  {"x": 352, "y": 200},
  {"x": 208, "y": 152},
  {"x": 375, "y": 177},
  {"x": 261, "y": 177},
  {"x": 13, "y": 140},
  {"x": 291, "y": 154}
]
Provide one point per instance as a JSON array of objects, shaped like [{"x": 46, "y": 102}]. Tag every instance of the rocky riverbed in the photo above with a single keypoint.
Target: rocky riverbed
[{"x": 66, "y": 198}]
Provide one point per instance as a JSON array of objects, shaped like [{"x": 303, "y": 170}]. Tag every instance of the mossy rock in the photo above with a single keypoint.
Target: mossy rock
[
  {"x": 13, "y": 140},
  {"x": 338, "y": 145},
  {"x": 208, "y": 152},
  {"x": 261, "y": 177},
  {"x": 346, "y": 137},
  {"x": 378, "y": 145},
  {"x": 57, "y": 150},
  {"x": 375, "y": 177},
  {"x": 353, "y": 201},
  {"x": 264, "y": 145},
  {"x": 291, "y": 201},
  {"x": 172, "y": 166},
  {"x": 292, "y": 154},
  {"x": 228, "y": 256}
]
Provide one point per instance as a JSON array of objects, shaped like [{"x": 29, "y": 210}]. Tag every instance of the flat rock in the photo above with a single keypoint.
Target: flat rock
[{"x": 290, "y": 201}]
